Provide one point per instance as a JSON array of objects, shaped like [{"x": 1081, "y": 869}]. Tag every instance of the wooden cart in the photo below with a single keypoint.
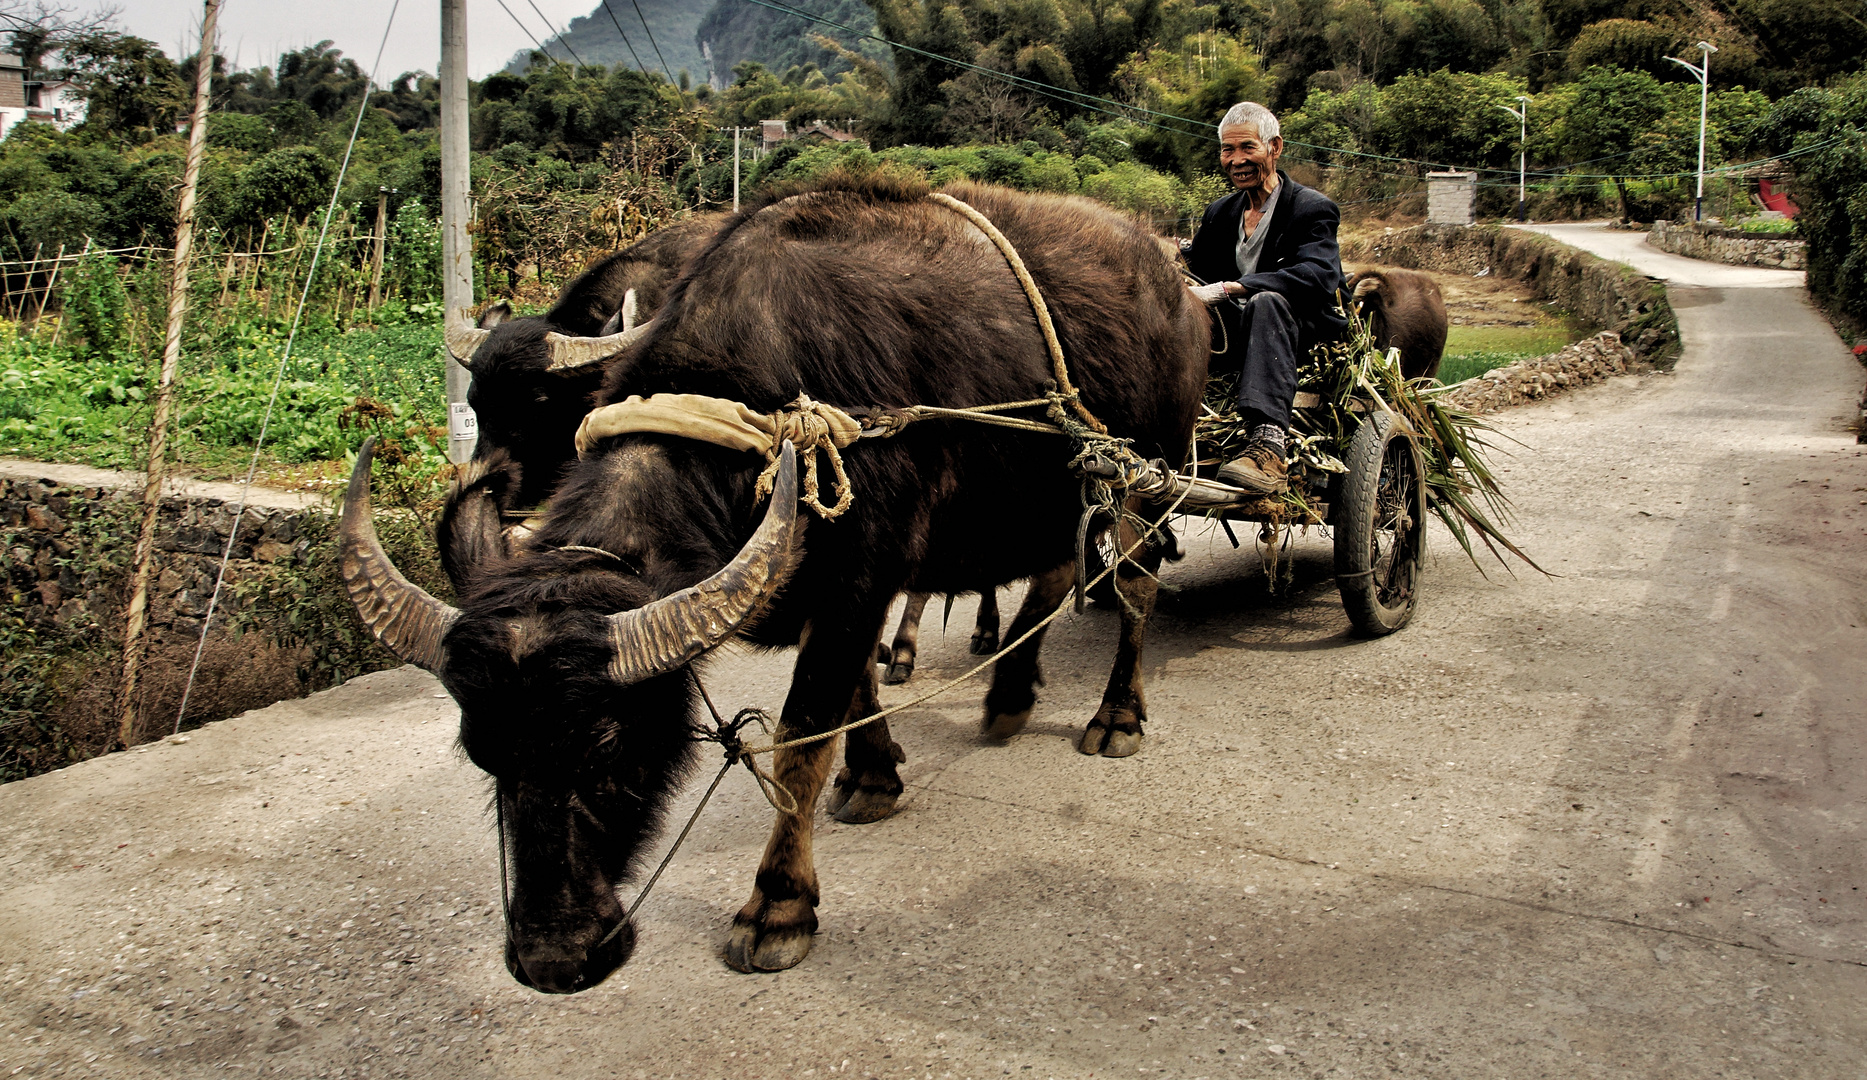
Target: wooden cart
[{"x": 1376, "y": 509}]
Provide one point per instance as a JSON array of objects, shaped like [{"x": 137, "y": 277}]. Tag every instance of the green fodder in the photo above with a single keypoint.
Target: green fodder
[{"x": 1350, "y": 376}]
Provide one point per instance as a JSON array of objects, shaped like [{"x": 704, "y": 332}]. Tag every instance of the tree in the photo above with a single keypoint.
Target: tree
[
  {"x": 1619, "y": 116},
  {"x": 35, "y": 28},
  {"x": 132, "y": 89},
  {"x": 323, "y": 78}
]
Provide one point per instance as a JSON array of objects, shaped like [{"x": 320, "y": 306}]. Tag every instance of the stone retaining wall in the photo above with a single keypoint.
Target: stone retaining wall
[
  {"x": 44, "y": 584},
  {"x": 1732, "y": 246},
  {"x": 1604, "y": 294},
  {"x": 1587, "y": 361}
]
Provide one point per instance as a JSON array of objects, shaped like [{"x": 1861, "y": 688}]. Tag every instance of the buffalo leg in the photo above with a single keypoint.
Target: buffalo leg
[
  {"x": 900, "y": 658},
  {"x": 1015, "y": 677},
  {"x": 773, "y": 930},
  {"x": 985, "y": 627},
  {"x": 869, "y": 785},
  {"x": 1115, "y": 730}
]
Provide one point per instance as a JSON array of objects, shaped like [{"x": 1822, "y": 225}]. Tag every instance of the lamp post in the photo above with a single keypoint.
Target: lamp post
[
  {"x": 1702, "y": 70},
  {"x": 1522, "y": 113}
]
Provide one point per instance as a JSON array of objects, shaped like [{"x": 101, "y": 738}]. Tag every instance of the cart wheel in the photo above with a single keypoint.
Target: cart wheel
[{"x": 1380, "y": 536}]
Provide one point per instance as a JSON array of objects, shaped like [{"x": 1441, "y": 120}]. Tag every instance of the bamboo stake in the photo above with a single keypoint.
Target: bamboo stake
[
  {"x": 50, "y": 284},
  {"x": 25, "y": 297},
  {"x": 135, "y": 638},
  {"x": 58, "y": 330},
  {"x": 382, "y": 235}
]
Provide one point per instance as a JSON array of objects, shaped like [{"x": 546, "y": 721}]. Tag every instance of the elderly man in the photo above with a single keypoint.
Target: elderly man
[{"x": 1268, "y": 251}]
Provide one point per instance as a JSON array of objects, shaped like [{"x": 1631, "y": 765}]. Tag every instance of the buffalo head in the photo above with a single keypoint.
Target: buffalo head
[
  {"x": 532, "y": 384},
  {"x": 572, "y": 676}
]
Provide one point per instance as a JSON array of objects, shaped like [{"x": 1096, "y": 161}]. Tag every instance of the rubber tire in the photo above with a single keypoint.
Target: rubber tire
[{"x": 1378, "y": 446}]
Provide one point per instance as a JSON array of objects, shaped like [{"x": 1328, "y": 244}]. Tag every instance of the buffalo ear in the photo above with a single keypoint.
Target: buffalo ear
[
  {"x": 471, "y": 534},
  {"x": 495, "y": 315}
]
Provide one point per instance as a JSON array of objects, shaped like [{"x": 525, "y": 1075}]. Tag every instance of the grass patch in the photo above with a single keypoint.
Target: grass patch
[
  {"x": 1473, "y": 350},
  {"x": 1457, "y": 368}
]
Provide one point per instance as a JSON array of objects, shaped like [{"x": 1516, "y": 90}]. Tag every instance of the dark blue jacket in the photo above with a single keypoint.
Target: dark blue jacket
[{"x": 1299, "y": 260}]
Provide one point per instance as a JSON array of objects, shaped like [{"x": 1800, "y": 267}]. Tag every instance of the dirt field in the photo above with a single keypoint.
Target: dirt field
[{"x": 1606, "y": 823}]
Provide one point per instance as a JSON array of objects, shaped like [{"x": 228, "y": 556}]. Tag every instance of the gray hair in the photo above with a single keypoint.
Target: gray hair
[{"x": 1252, "y": 114}]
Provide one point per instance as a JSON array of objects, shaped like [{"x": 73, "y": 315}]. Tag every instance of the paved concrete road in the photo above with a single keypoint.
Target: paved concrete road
[{"x": 1607, "y": 823}]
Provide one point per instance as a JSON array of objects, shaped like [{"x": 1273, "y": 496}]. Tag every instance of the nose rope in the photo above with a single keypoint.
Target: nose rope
[{"x": 727, "y": 735}]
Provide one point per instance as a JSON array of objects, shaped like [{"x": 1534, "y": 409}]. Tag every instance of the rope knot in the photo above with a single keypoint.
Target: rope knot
[{"x": 812, "y": 427}]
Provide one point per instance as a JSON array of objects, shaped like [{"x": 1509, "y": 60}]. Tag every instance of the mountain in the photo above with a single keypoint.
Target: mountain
[
  {"x": 731, "y": 31},
  {"x": 738, "y": 30},
  {"x": 606, "y": 35}
]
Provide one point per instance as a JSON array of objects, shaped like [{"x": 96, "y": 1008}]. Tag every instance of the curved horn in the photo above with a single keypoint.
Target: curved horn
[
  {"x": 403, "y": 617},
  {"x": 569, "y": 353},
  {"x": 463, "y": 339},
  {"x": 678, "y": 628},
  {"x": 628, "y": 310}
]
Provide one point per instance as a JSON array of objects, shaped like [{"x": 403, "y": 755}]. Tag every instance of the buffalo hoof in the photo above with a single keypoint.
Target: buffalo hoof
[
  {"x": 899, "y": 672},
  {"x": 865, "y": 806},
  {"x": 984, "y": 642},
  {"x": 1113, "y": 733},
  {"x": 855, "y": 801},
  {"x": 778, "y": 938},
  {"x": 1005, "y": 725}
]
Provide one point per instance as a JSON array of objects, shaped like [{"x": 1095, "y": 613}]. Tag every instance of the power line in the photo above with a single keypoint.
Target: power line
[
  {"x": 559, "y": 33},
  {"x": 651, "y": 39},
  {"x": 625, "y": 37},
  {"x": 526, "y": 29}
]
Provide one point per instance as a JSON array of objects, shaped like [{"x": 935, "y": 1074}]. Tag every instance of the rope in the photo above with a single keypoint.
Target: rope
[
  {"x": 1036, "y": 296},
  {"x": 809, "y": 425},
  {"x": 291, "y": 338},
  {"x": 727, "y": 735}
]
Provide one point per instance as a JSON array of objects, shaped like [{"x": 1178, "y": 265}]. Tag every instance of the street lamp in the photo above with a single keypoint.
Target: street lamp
[
  {"x": 1702, "y": 70},
  {"x": 1522, "y": 113}
]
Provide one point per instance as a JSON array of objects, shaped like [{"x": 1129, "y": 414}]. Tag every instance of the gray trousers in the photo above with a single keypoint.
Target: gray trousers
[{"x": 1262, "y": 347}]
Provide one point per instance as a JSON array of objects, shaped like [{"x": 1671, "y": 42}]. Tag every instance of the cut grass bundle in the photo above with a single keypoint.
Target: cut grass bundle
[{"x": 1350, "y": 378}]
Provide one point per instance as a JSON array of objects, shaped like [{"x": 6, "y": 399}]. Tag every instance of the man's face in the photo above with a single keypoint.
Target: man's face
[{"x": 1249, "y": 161}]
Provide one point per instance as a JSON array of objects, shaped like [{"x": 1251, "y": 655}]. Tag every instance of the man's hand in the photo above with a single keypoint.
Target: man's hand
[{"x": 1210, "y": 294}]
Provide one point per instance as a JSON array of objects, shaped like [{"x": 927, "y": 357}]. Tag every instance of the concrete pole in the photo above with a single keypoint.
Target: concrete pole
[
  {"x": 1702, "y": 71},
  {"x": 1704, "y": 93},
  {"x": 136, "y": 618},
  {"x": 1522, "y": 114},
  {"x": 735, "y": 170},
  {"x": 456, "y": 244},
  {"x": 1523, "y": 156}
]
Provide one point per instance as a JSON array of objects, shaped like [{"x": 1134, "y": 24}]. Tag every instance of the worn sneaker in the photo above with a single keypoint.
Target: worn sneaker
[{"x": 1260, "y": 469}]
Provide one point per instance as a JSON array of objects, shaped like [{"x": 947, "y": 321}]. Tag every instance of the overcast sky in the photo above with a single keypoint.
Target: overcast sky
[{"x": 255, "y": 32}]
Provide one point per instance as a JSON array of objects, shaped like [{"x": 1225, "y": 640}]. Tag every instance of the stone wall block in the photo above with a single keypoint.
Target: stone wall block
[{"x": 1732, "y": 246}]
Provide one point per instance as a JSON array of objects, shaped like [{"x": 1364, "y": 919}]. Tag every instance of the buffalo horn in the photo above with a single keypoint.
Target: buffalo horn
[
  {"x": 678, "y": 628},
  {"x": 463, "y": 339},
  {"x": 569, "y": 353},
  {"x": 408, "y": 621}
]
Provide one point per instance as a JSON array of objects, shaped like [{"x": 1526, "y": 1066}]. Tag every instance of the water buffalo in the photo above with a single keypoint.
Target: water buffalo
[
  {"x": 575, "y": 663},
  {"x": 528, "y": 403},
  {"x": 1404, "y": 310},
  {"x": 534, "y": 377}
]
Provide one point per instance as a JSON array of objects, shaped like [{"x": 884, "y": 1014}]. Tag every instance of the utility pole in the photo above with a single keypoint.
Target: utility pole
[
  {"x": 456, "y": 245},
  {"x": 1522, "y": 113},
  {"x": 1702, "y": 70},
  {"x": 735, "y": 170},
  {"x": 136, "y": 619},
  {"x": 382, "y": 237}
]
